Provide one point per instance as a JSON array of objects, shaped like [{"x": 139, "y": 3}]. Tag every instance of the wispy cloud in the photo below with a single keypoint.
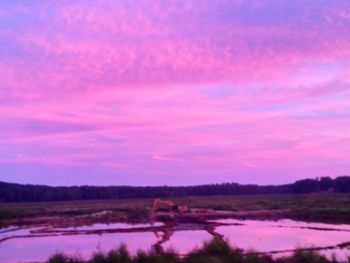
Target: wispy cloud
[{"x": 152, "y": 92}]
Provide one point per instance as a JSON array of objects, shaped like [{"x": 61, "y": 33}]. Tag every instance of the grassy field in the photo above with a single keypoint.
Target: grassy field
[{"x": 317, "y": 207}]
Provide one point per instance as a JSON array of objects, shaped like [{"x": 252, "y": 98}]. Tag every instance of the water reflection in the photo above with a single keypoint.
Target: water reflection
[
  {"x": 39, "y": 249},
  {"x": 185, "y": 241},
  {"x": 112, "y": 226},
  {"x": 261, "y": 236},
  {"x": 284, "y": 235}
]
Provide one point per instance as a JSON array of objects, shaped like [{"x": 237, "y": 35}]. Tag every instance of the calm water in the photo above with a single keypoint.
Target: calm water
[{"x": 258, "y": 235}]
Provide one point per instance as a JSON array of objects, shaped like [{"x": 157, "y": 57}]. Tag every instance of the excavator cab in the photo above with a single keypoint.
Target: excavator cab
[{"x": 166, "y": 205}]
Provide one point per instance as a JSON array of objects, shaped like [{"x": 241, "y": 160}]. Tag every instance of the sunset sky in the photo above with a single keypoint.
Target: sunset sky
[{"x": 154, "y": 92}]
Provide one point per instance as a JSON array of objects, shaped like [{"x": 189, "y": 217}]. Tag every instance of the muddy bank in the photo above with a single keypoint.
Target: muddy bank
[
  {"x": 66, "y": 220},
  {"x": 195, "y": 215}
]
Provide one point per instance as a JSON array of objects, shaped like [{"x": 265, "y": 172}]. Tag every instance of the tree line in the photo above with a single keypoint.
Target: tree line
[{"x": 10, "y": 192}]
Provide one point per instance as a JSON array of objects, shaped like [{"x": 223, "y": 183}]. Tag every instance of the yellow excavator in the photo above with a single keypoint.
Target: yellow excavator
[{"x": 175, "y": 210}]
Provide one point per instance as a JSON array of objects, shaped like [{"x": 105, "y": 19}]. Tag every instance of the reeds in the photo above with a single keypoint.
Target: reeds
[{"x": 214, "y": 251}]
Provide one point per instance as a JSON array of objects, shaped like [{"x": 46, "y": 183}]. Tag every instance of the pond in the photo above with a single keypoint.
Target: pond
[{"x": 37, "y": 244}]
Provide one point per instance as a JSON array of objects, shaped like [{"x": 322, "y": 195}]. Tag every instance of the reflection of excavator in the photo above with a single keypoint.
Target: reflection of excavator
[{"x": 174, "y": 209}]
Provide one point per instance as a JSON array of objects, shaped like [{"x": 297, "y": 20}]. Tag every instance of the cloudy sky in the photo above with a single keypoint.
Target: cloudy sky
[{"x": 174, "y": 92}]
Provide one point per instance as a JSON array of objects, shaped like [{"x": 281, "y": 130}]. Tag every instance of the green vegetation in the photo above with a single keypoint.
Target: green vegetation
[
  {"x": 137, "y": 214},
  {"x": 215, "y": 251},
  {"x": 333, "y": 207}
]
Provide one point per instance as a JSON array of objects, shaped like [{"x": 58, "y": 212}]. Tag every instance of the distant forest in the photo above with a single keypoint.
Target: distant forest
[{"x": 10, "y": 192}]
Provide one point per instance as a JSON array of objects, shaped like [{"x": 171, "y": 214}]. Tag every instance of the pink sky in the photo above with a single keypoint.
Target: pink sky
[{"x": 174, "y": 92}]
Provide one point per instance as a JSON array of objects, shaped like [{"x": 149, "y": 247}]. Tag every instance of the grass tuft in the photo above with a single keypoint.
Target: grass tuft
[{"x": 214, "y": 251}]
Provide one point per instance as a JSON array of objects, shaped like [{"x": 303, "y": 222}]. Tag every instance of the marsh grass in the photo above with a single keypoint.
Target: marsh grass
[
  {"x": 317, "y": 206},
  {"x": 305, "y": 257},
  {"x": 137, "y": 214},
  {"x": 214, "y": 251}
]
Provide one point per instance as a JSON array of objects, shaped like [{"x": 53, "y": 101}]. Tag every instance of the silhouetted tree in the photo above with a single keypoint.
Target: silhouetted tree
[
  {"x": 342, "y": 184},
  {"x": 32, "y": 193},
  {"x": 326, "y": 183},
  {"x": 306, "y": 186}
]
